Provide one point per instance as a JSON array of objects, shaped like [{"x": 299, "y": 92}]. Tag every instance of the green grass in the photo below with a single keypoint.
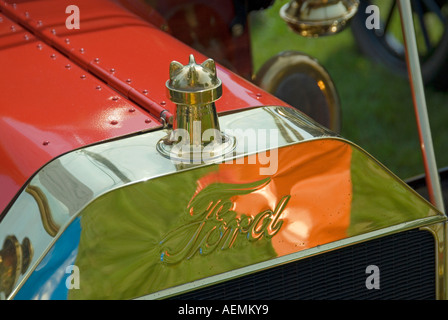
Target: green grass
[{"x": 377, "y": 108}]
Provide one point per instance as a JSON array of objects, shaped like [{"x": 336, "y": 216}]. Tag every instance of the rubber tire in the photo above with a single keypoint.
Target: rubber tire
[{"x": 434, "y": 68}]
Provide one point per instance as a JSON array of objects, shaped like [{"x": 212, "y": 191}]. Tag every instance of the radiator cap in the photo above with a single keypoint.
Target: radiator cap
[{"x": 194, "y": 83}]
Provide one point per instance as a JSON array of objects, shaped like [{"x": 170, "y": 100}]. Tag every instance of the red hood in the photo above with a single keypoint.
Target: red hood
[{"x": 63, "y": 89}]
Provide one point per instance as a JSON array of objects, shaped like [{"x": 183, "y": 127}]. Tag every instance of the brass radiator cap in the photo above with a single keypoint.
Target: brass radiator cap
[{"x": 194, "y": 83}]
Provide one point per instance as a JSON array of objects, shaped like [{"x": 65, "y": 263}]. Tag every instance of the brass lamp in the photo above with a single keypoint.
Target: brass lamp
[{"x": 314, "y": 18}]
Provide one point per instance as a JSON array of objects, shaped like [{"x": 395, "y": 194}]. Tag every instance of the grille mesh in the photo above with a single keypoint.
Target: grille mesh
[{"x": 406, "y": 262}]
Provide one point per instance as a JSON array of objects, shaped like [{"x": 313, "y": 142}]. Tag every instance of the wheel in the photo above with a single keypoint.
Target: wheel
[
  {"x": 301, "y": 81},
  {"x": 385, "y": 45}
]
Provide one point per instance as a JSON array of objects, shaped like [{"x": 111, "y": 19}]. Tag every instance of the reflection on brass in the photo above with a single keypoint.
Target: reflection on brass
[
  {"x": 313, "y": 18},
  {"x": 14, "y": 261},
  {"x": 284, "y": 128},
  {"x": 137, "y": 159},
  {"x": 212, "y": 225},
  {"x": 136, "y": 156},
  {"x": 62, "y": 184},
  {"x": 45, "y": 212},
  {"x": 108, "y": 164},
  {"x": 194, "y": 88}
]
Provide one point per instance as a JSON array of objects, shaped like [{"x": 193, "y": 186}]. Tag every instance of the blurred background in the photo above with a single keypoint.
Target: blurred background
[
  {"x": 377, "y": 107},
  {"x": 367, "y": 66}
]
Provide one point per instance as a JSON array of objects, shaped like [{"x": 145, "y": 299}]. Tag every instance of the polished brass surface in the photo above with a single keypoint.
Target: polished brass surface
[
  {"x": 440, "y": 236},
  {"x": 69, "y": 183},
  {"x": 47, "y": 219},
  {"x": 314, "y": 18},
  {"x": 264, "y": 225},
  {"x": 229, "y": 215},
  {"x": 90, "y": 173}
]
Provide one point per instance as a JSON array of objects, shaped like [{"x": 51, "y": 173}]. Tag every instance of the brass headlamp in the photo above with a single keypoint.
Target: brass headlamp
[{"x": 314, "y": 18}]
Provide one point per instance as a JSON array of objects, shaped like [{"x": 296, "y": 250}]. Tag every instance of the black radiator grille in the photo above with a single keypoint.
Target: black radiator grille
[{"x": 406, "y": 263}]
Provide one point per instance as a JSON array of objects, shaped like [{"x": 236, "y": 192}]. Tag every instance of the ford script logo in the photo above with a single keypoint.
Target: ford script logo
[{"x": 211, "y": 224}]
